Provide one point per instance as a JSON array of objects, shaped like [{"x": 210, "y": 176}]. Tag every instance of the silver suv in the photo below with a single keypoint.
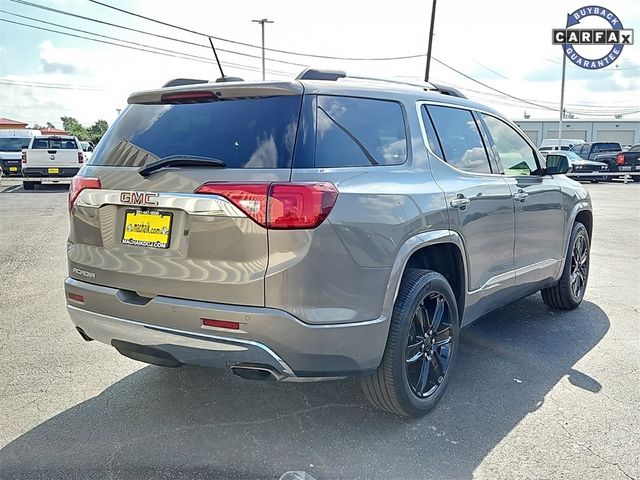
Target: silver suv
[{"x": 318, "y": 228}]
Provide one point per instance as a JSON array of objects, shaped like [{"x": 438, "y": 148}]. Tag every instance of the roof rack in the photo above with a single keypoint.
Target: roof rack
[{"x": 335, "y": 75}]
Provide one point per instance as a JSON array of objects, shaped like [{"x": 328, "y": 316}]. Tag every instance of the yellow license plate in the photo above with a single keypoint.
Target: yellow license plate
[
  {"x": 53, "y": 170},
  {"x": 147, "y": 229},
  {"x": 13, "y": 169}
]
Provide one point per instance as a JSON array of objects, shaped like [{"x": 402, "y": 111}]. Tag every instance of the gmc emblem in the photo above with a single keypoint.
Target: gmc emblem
[{"x": 139, "y": 198}]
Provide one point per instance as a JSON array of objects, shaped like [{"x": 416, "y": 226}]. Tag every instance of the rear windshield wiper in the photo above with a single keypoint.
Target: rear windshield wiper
[{"x": 180, "y": 161}]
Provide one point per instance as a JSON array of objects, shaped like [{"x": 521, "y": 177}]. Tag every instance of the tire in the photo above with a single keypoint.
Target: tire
[
  {"x": 568, "y": 293},
  {"x": 396, "y": 385},
  {"x": 29, "y": 185}
]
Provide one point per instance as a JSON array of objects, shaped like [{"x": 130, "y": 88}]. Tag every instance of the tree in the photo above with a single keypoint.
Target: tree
[
  {"x": 97, "y": 130},
  {"x": 94, "y": 133},
  {"x": 50, "y": 125},
  {"x": 73, "y": 126}
]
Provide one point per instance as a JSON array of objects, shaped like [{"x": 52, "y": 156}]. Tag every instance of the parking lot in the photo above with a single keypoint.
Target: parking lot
[{"x": 536, "y": 393}]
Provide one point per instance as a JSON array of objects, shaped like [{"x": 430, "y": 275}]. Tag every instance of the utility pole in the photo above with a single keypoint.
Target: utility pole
[
  {"x": 262, "y": 21},
  {"x": 433, "y": 19},
  {"x": 564, "y": 67}
]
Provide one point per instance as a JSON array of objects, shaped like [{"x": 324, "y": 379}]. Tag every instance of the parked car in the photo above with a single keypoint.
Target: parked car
[
  {"x": 87, "y": 149},
  {"x": 551, "y": 144},
  {"x": 12, "y": 142},
  {"x": 585, "y": 169},
  {"x": 317, "y": 228},
  {"x": 50, "y": 158},
  {"x": 624, "y": 162},
  {"x": 590, "y": 150}
]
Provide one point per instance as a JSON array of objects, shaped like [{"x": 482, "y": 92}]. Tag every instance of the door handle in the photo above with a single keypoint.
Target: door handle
[
  {"x": 520, "y": 196},
  {"x": 460, "y": 202}
]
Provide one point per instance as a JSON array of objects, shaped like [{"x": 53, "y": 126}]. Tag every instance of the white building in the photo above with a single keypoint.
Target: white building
[{"x": 624, "y": 131}]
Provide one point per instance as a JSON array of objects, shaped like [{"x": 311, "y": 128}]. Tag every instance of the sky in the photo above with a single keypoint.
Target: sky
[{"x": 503, "y": 45}]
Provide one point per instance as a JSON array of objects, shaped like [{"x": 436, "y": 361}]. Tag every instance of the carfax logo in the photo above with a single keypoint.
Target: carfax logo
[{"x": 598, "y": 46}]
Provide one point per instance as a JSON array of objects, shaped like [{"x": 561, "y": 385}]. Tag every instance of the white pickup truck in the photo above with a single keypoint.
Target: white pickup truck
[{"x": 51, "y": 159}]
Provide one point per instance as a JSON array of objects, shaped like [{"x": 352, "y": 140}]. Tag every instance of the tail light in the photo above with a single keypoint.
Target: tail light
[
  {"x": 620, "y": 159},
  {"x": 188, "y": 97},
  {"x": 80, "y": 157},
  {"x": 24, "y": 157},
  {"x": 78, "y": 184},
  {"x": 279, "y": 205}
]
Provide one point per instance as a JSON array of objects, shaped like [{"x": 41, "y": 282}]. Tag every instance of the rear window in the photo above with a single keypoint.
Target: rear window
[
  {"x": 243, "y": 133},
  {"x": 607, "y": 147},
  {"x": 13, "y": 144},
  {"x": 54, "y": 144}
]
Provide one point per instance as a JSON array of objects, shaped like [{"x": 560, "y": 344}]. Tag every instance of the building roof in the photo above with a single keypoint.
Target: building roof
[
  {"x": 53, "y": 131},
  {"x": 6, "y": 121},
  {"x": 575, "y": 120}
]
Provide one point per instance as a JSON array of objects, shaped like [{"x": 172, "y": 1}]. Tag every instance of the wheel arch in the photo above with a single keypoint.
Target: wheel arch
[{"x": 441, "y": 251}]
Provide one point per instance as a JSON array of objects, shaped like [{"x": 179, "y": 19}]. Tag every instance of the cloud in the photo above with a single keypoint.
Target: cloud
[
  {"x": 610, "y": 85},
  {"x": 54, "y": 67},
  {"x": 60, "y": 60}
]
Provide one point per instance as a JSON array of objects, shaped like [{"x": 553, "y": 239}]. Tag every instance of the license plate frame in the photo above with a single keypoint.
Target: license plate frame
[{"x": 136, "y": 239}]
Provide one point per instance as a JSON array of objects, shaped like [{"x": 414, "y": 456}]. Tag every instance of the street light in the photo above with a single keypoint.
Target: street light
[{"x": 262, "y": 21}]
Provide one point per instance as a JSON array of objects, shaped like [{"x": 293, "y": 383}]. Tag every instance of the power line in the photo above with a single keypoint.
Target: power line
[
  {"x": 181, "y": 55},
  {"x": 143, "y": 32},
  {"x": 251, "y": 45}
]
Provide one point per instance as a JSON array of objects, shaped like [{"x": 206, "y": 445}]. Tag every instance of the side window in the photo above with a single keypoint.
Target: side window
[
  {"x": 432, "y": 138},
  {"x": 460, "y": 139},
  {"x": 354, "y": 132},
  {"x": 511, "y": 150}
]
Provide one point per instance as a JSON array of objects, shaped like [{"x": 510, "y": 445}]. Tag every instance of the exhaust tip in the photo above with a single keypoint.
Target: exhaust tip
[
  {"x": 254, "y": 373},
  {"x": 84, "y": 335}
]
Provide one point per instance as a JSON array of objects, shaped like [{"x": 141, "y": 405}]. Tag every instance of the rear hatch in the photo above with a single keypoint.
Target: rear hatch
[{"x": 173, "y": 200}]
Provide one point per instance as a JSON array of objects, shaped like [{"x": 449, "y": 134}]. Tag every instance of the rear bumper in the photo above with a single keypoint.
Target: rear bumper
[
  {"x": 267, "y": 337},
  {"x": 11, "y": 168},
  {"x": 589, "y": 175},
  {"x": 63, "y": 172}
]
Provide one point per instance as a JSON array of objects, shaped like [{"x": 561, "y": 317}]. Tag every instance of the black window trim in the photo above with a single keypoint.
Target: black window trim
[
  {"x": 443, "y": 158},
  {"x": 536, "y": 155},
  {"x": 405, "y": 119}
]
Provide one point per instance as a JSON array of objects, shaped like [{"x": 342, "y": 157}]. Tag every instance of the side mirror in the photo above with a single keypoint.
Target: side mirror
[{"x": 558, "y": 164}]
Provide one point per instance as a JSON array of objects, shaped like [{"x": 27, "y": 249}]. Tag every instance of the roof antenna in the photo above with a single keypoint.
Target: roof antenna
[{"x": 217, "y": 59}]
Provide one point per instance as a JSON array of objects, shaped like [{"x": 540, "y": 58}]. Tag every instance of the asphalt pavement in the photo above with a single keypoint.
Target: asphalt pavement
[{"x": 536, "y": 393}]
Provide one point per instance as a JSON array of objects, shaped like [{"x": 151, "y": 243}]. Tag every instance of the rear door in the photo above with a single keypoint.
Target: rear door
[
  {"x": 164, "y": 233},
  {"x": 480, "y": 203},
  {"x": 539, "y": 205}
]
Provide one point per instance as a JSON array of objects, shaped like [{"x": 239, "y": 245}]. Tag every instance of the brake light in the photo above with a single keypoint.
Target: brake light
[
  {"x": 188, "y": 97},
  {"x": 80, "y": 157},
  {"x": 78, "y": 184},
  {"x": 24, "y": 157},
  {"x": 620, "y": 159},
  {"x": 279, "y": 205},
  {"x": 300, "y": 205}
]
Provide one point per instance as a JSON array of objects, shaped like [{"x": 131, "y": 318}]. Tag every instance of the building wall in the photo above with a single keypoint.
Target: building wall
[
  {"x": 627, "y": 132},
  {"x": 12, "y": 127}
]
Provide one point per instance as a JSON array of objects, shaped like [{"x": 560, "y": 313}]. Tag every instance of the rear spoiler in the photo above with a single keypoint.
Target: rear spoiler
[{"x": 222, "y": 91}]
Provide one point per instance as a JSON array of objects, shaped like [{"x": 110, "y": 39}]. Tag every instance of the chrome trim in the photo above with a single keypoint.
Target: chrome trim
[
  {"x": 183, "y": 333},
  {"x": 192, "y": 203}
]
